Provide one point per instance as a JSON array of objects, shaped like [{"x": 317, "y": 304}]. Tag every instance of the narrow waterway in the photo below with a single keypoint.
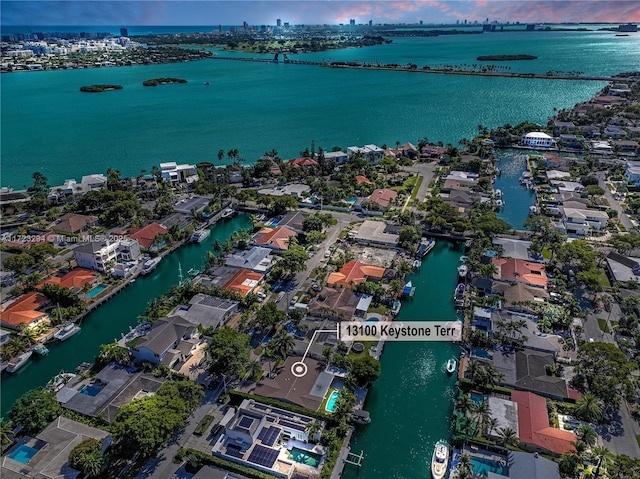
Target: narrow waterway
[
  {"x": 412, "y": 401},
  {"x": 517, "y": 199},
  {"x": 113, "y": 318}
]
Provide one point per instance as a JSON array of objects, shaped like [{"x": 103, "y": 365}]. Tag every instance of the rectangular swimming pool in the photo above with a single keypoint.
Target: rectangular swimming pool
[
  {"x": 90, "y": 390},
  {"x": 483, "y": 466},
  {"x": 23, "y": 453},
  {"x": 304, "y": 457},
  {"x": 96, "y": 291}
]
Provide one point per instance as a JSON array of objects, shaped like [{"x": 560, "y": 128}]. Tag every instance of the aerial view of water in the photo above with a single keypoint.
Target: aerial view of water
[{"x": 48, "y": 125}]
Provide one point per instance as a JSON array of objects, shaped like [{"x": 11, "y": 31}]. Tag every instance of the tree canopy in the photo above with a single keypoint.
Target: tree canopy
[
  {"x": 363, "y": 369},
  {"x": 35, "y": 410},
  {"x": 229, "y": 352}
]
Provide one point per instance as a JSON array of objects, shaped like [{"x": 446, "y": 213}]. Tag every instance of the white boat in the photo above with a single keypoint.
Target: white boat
[
  {"x": 396, "y": 307},
  {"x": 200, "y": 235},
  {"x": 499, "y": 203},
  {"x": 59, "y": 381},
  {"x": 66, "y": 332},
  {"x": 463, "y": 269},
  {"x": 440, "y": 460},
  {"x": 227, "y": 213},
  {"x": 425, "y": 247},
  {"x": 416, "y": 264},
  {"x": 408, "y": 290},
  {"x": 497, "y": 193},
  {"x": 150, "y": 265},
  {"x": 451, "y": 366},
  {"x": 19, "y": 361}
]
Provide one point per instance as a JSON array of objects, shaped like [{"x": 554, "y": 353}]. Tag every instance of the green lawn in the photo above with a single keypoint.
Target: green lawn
[
  {"x": 546, "y": 253},
  {"x": 603, "y": 325},
  {"x": 603, "y": 280},
  {"x": 416, "y": 187}
]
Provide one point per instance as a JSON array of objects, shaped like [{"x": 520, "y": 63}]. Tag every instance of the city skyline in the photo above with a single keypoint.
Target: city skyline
[{"x": 235, "y": 12}]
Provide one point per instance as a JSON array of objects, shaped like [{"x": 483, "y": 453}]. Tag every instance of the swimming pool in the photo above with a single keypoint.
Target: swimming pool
[
  {"x": 90, "y": 390},
  {"x": 331, "y": 403},
  {"x": 481, "y": 353},
  {"x": 23, "y": 453},
  {"x": 484, "y": 466},
  {"x": 96, "y": 291},
  {"x": 304, "y": 457},
  {"x": 477, "y": 398}
]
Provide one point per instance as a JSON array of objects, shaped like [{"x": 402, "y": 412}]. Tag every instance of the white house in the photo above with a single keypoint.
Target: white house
[
  {"x": 340, "y": 157},
  {"x": 72, "y": 187},
  {"x": 633, "y": 172},
  {"x": 170, "y": 340},
  {"x": 538, "y": 139},
  {"x": 175, "y": 173},
  {"x": 371, "y": 153},
  {"x": 580, "y": 221},
  {"x": 97, "y": 255}
]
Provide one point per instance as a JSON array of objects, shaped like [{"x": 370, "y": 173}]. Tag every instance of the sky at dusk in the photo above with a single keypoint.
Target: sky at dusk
[{"x": 265, "y": 12}]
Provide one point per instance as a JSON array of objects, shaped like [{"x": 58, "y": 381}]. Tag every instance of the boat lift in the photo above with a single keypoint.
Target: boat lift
[{"x": 354, "y": 459}]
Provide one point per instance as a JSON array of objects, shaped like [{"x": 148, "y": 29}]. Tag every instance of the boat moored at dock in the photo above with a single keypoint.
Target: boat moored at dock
[
  {"x": 227, "y": 213},
  {"x": 200, "y": 235},
  {"x": 19, "y": 361},
  {"x": 150, "y": 265},
  {"x": 425, "y": 247},
  {"x": 463, "y": 269},
  {"x": 67, "y": 331},
  {"x": 40, "y": 350},
  {"x": 440, "y": 460}
]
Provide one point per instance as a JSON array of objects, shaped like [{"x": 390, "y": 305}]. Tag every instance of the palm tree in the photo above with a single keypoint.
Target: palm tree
[
  {"x": 473, "y": 369},
  {"x": 282, "y": 343},
  {"x": 508, "y": 436},
  {"x": 6, "y": 429},
  {"x": 92, "y": 464},
  {"x": 253, "y": 369},
  {"x": 464, "y": 404},
  {"x": 28, "y": 333},
  {"x": 491, "y": 425},
  {"x": 602, "y": 456},
  {"x": 463, "y": 471},
  {"x": 313, "y": 428},
  {"x": 589, "y": 408},
  {"x": 587, "y": 435}
]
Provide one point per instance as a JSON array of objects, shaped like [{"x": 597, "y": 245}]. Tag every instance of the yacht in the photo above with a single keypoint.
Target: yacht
[
  {"x": 425, "y": 247},
  {"x": 458, "y": 295},
  {"x": 66, "y": 332},
  {"x": 150, "y": 265},
  {"x": 416, "y": 264},
  {"x": 440, "y": 460},
  {"x": 200, "y": 235},
  {"x": 463, "y": 269},
  {"x": 19, "y": 361},
  {"x": 451, "y": 366},
  {"x": 227, "y": 213}
]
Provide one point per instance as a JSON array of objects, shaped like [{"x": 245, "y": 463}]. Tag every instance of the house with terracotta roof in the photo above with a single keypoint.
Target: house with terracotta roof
[
  {"x": 535, "y": 433},
  {"x": 73, "y": 223},
  {"x": 146, "y": 235},
  {"x": 244, "y": 282},
  {"x": 75, "y": 279},
  {"x": 520, "y": 271},
  {"x": 362, "y": 179},
  {"x": 384, "y": 197},
  {"x": 25, "y": 310},
  {"x": 353, "y": 273},
  {"x": 276, "y": 239},
  {"x": 302, "y": 163}
]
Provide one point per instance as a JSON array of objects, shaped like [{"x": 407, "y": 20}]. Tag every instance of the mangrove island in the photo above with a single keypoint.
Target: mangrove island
[
  {"x": 505, "y": 58},
  {"x": 163, "y": 81},
  {"x": 99, "y": 88}
]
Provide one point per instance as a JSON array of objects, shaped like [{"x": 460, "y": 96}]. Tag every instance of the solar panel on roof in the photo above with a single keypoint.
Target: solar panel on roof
[
  {"x": 270, "y": 419},
  {"x": 246, "y": 422},
  {"x": 298, "y": 427},
  {"x": 306, "y": 419},
  {"x": 233, "y": 451},
  {"x": 263, "y": 456},
  {"x": 269, "y": 435},
  {"x": 262, "y": 407}
]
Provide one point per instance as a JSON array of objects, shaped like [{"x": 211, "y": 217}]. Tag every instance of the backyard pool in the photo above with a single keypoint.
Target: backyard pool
[
  {"x": 23, "y": 453},
  {"x": 90, "y": 390},
  {"x": 331, "y": 403},
  {"x": 304, "y": 457},
  {"x": 96, "y": 291},
  {"x": 483, "y": 466},
  {"x": 481, "y": 353}
]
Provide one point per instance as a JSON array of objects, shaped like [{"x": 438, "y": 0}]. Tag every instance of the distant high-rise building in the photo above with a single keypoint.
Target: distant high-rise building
[
  {"x": 278, "y": 23},
  {"x": 352, "y": 22},
  {"x": 124, "y": 32},
  {"x": 220, "y": 28},
  {"x": 420, "y": 22},
  {"x": 286, "y": 24},
  {"x": 370, "y": 22},
  {"x": 245, "y": 26}
]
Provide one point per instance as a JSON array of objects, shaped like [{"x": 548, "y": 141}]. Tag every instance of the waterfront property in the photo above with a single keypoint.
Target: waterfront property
[
  {"x": 276, "y": 239},
  {"x": 170, "y": 340},
  {"x": 102, "y": 255},
  {"x": 25, "y": 310},
  {"x": 146, "y": 236},
  {"x": 269, "y": 439},
  {"x": 208, "y": 311},
  {"x": 256, "y": 259},
  {"x": 353, "y": 273},
  {"x": 76, "y": 279},
  {"x": 376, "y": 233},
  {"x": 47, "y": 455},
  {"x": 175, "y": 173},
  {"x": 538, "y": 139},
  {"x": 73, "y": 188}
]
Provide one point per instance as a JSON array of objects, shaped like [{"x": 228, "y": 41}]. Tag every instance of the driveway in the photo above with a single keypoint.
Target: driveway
[
  {"x": 613, "y": 203},
  {"x": 427, "y": 170}
]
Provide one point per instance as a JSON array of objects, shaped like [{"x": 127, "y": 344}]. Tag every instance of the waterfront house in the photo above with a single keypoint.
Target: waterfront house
[
  {"x": 376, "y": 233},
  {"x": 538, "y": 139},
  {"x": 52, "y": 448},
  {"x": 520, "y": 271},
  {"x": 340, "y": 157},
  {"x": 513, "y": 248},
  {"x": 581, "y": 221},
  {"x": 556, "y": 162},
  {"x": 294, "y": 220},
  {"x": 297, "y": 190},
  {"x": 169, "y": 341},
  {"x": 534, "y": 430},
  {"x": 208, "y": 311},
  {"x": 73, "y": 188},
  {"x": 192, "y": 204},
  {"x": 98, "y": 255},
  {"x": 505, "y": 411},
  {"x": 257, "y": 259},
  {"x": 261, "y": 437},
  {"x": 371, "y": 153},
  {"x": 571, "y": 141},
  {"x": 562, "y": 127},
  {"x": 302, "y": 163},
  {"x": 146, "y": 236},
  {"x": 519, "y": 297},
  {"x": 556, "y": 175},
  {"x": 337, "y": 304},
  {"x": 25, "y": 310},
  {"x": 353, "y": 273},
  {"x": 601, "y": 146},
  {"x": 175, "y": 173},
  {"x": 567, "y": 186},
  {"x": 276, "y": 239},
  {"x": 244, "y": 282},
  {"x": 75, "y": 280},
  {"x": 72, "y": 223},
  {"x": 524, "y": 465},
  {"x": 383, "y": 197}
]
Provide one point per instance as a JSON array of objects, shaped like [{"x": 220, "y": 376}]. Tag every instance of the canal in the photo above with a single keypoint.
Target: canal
[
  {"x": 113, "y": 318},
  {"x": 412, "y": 402},
  {"x": 517, "y": 199}
]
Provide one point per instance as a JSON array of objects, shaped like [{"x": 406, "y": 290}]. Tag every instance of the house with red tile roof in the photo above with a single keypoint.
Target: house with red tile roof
[
  {"x": 74, "y": 223},
  {"x": 383, "y": 197},
  {"x": 353, "y": 273},
  {"x": 534, "y": 430},
  {"x": 24, "y": 310},
  {"x": 146, "y": 235},
  {"x": 276, "y": 239},
  {"x": 244, "y": 282},
  {"x": 520, "y": 271},
  {"x": 302, "y": 162},
  {"x": 362, "y": 179},
  {"x": 75, "y": 279}
]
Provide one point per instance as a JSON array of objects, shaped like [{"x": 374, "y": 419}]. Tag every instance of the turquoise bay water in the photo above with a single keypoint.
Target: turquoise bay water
[{"x": 48, "y": 125}]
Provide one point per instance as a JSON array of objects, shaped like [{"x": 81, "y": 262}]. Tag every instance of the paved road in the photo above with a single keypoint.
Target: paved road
[
  {"x": 427, "y": 170},
  {"x": 613, "y": 203}
]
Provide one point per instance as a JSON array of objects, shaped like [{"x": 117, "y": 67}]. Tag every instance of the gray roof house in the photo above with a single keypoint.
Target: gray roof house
[
  {"x": 623, "y": 268},
  {"x": 514, "y": 248},
  {"x": 170, "y": 340},
  {"x": 256, "y": 259},
  {"x": 209, "y": 311},
  {"x": 376, "y": 232},
  {"x": 53, "y": 445},
  {"x": 524, "y": 465},
  {"x": 293, "y": 220}
]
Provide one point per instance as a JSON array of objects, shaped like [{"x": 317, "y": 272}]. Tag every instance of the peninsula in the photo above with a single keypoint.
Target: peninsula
[{"x": 505, "y": 58}]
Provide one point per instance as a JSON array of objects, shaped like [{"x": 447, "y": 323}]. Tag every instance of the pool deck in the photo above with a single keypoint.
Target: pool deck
[{"x": 476, "y": 452}]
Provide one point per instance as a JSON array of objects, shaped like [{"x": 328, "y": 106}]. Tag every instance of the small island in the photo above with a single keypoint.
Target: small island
[
  {"x": 505, "y": 58},
  {"x": 163, "y": 81},
  {"x": 99, "y": 88}
]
